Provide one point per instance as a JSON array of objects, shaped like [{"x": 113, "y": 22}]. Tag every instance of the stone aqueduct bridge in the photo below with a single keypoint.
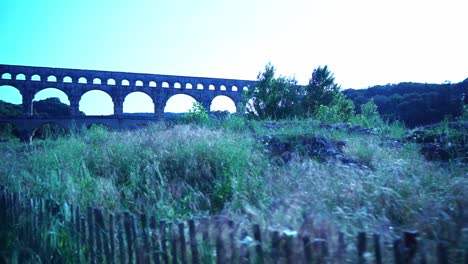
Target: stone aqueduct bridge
[{"x": 75, "y": 83}]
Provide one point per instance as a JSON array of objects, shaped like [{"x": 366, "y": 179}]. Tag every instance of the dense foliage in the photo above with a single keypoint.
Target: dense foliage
[{"x": 415, "y": 104}]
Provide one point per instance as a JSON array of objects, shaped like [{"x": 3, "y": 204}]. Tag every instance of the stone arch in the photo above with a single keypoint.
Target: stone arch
[
  {"x": 49, "y": 130},
  {"x": 96, "y": 81},
  {"x": 20, "y": 77},
  {"x": 179, "y": 103},
  {"x": 177, "y": 85},
  {"x": 152, "y": 84},
  {"x": 11, "y": 94},
  {"x": 138, "y": 83},
  {"x": 6, "y": 76},
  {"x": 223, "y": 103},
  {"x": 110, "y": 81},
  {"x": 67, "y": 79},
  {"x": 82, "y": 80},
  {"x": 245, "y": 88},
  {"x": 211, "y": 87},
  {"x": 125, "y": 82},
  {"x": 51, "y": 101},
  {"x": 165, "y": 85},
  {"x": 96, "y": 103},
  {"x": 9, "y": 132},
  {"x": 138, "y": 102},
  {"x": 223, "y": 87},
  {"x": 36, "y": 77},
  {"x": 52, "y": 78},
  {"x": 200, "y": 86},
  {"x": 188, "y": 86},
  {"x": 234, "y": 88}
]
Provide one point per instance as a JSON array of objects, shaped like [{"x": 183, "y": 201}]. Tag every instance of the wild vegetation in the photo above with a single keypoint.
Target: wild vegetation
[{"x": 331, "y": 167}]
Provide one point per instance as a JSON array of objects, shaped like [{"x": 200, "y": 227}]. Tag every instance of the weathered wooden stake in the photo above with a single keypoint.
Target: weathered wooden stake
[
  {"x": 442, "y": 253},
  {"x": 98, "y": 235},
  {"x": 128, "y": 236},
  {"x": 361, "y": 247},
  {"x": 307, "y": 245},
  {"x": 111, "y": 237},
  {"x": 120, "y": 231},
  {"x": 232, "y": 242},
  {"x": 165, "y": 254},
  {"x": 146, "y": 244},
  {"x": 137, "y": 249},
  {"x": 377, "y": 249},
  {"x": 172, "y": 233},
  {"x": 92, "y": 256},
  {"x": 183, "y": 245},
  {"x": 154, "y": 240},
  {"x": 193, "y": 242},
  {"x": 397, "y": 251},
  {"x": 275, "y": 246}
]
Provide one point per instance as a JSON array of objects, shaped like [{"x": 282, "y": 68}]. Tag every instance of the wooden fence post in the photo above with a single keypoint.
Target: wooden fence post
[
  {"x": 275, "y": 246},
  {"x": 397, "y": 251},
  {"x": 154, "y": 240},
  {"x": 165, "y": 254},
  {"x": 111, "y": 238},
  {"x": 172, "y": 233},
  {"x": 78, "y": 230},
  {"x": 136, "y": 244},
  {"x": 465, "y": 243},
  {"x": 104, "y": 235},
  {"x": 232, "y": 242},
  {"x": 193, "y": 242},
  {"x": 92, "y": 256},
  {"x": 183, "y": 245},
  {"x": 258, "y": 247},
  {"x": 410, "y": 245},
  {"x": 120, "y": 231},
  {"x": 377, "y": 249},
  {"x": 361, "y": 247},
  {"x": 128, "y": 236},
  {"x": 442, "y": 253},
  {"x": 220, "y": 251},
  {"x": 98, "y": 235},
  {"x": 146, "y": 244},
  {"x": 307, "y": 245}
]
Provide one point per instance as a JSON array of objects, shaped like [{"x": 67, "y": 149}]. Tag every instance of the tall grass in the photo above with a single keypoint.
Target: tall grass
[{"x": 180, "y": 170}]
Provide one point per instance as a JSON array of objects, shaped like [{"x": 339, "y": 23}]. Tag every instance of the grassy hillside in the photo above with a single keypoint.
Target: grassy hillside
[{"x": 355, "y": 179}]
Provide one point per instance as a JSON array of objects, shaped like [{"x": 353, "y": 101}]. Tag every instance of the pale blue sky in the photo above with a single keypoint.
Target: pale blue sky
[{"x": 364, "y": 42}]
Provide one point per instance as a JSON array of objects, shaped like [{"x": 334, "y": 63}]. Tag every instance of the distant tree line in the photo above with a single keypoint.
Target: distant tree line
[
  {"x": 47, "y": 107},
  {"x": 414, "y": 104}
]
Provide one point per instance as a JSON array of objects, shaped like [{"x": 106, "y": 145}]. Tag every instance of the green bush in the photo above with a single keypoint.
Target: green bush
[
  {"x": 197, "y": 113},
  {"x": 339, "y": 110}
]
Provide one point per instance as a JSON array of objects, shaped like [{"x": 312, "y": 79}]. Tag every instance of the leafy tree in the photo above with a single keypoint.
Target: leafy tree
[
  {"x": 272, "y": 97},
  {"x": 370, "y": 115},
  {"x": 321, "y": 90},
  {"x": 339, "y": 110},
  {"x": 198, "y": 113}
]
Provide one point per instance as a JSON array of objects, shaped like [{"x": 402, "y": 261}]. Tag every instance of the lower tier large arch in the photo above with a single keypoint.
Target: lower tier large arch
[
  {"x": 179, "y": 103},
  {"x": 96, "y": 103},
  {"x": 223, "y": 103}
]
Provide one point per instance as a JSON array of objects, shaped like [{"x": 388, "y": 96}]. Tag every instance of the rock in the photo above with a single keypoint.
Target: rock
[
  {"x": 306, "y": 146},
  {"x": 434, "y": 152}
]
